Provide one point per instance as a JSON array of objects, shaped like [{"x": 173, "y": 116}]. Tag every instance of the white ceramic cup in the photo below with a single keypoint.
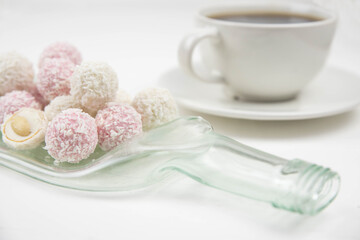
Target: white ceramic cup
[{"x": 261, "y": 62}]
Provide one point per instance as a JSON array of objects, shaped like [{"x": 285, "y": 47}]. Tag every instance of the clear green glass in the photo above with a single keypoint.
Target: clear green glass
[{"x": 187, "y": 145}]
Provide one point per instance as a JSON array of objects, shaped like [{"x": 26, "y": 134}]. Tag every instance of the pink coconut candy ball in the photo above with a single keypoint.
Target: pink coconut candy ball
[
  {"x": 71, "y": 136},
  {"x": 33, "y": 90},
  {"x": 117, "y": 124},
  {"x": 61, "y": 50},
  {"x": 53, "y": 77},
  {"x": 14, "y": 101}
]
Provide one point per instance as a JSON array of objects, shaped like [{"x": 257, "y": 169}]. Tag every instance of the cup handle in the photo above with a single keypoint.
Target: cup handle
[{"x": 186, "y": 50}]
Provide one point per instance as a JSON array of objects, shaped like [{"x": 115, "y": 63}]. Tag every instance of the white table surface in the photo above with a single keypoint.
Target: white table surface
[{"x": 139, "y": 39}]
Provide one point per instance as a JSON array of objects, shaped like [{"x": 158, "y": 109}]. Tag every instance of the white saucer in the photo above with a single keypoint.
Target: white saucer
[{"x": 335, "y": 91}]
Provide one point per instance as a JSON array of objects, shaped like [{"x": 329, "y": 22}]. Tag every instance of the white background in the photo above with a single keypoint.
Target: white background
[{"x": 139, "y": 39}]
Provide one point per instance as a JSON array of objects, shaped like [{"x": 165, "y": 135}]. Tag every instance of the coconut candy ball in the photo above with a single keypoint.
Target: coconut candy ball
[
  {"x": 71, "y": 136},
  {"x": 117, "y": 124},
  {"x": 123, "y": 97},
  {"x": 53, "y": 77},
  {"x": 38, "y": 97},
  {"x": 25, "y": 129},
  {"x": 93, "y": 84},
  {"x": 61, "y": 50},
  {"x": 16, "y": 72},
  {"x": 14, "y": 101},
  {"x": 59, "y": 104},
  {"x": 156, "y": 106}
]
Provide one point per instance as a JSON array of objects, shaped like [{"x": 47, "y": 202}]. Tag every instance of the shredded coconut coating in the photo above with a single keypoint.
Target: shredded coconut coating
[
  {"x": 14, "y": 101},
  {"x": 16, "y": 72},
  {"x": 61, "y": 50},
  {"x": 38, "y": 124},
  {"x": 123, "y": 97},
  {"x": 38, "y": 97},
  {"x": 60, "y": 104},
  {"x": 156, "y": 106},
  {"x": 53, "y": 78},
  {"x": 94, "y": 84},
  {"x": 71, "y": 136},
  {"x": 117, "y": 124}
]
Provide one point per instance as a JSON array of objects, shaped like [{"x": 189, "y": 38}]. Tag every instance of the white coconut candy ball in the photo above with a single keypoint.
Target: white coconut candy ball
[
  {"x": 59, "y": 104},
  {"x": 156, "y": 106},
  {"x": 25, "y": 129},
  {"x": 16, "y": 72},
  {"x": 123, "y": 97},
  {"x": 93, "y": 84}
]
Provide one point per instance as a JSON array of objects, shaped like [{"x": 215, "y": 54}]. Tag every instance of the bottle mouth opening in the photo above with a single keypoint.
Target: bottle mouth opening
[
  {"x": 321, "y": 186},
  {"x": 312, "y": 191}
]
